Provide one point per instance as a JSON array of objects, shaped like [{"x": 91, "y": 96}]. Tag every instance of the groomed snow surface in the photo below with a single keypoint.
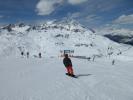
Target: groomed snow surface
[{"x": 45, "y": 79}]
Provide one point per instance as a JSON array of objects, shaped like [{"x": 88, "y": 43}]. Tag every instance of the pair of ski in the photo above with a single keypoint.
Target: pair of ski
[{"x": 73, "y": 76}]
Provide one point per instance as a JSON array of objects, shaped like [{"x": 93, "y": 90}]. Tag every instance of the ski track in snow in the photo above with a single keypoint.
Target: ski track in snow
[{"x": 45, "y": 79}]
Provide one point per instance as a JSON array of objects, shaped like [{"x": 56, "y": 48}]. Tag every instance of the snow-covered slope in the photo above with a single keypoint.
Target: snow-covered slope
[{"x": 45, "y": 79}]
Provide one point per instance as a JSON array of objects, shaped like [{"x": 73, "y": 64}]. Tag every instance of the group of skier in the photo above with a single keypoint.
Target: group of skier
[
  {"x": 66, "y": 61},
  {"x": 28, "y": 54}
]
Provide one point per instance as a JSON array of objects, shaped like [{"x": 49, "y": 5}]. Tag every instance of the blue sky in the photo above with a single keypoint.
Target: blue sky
[{"x": 92, "y": 13}]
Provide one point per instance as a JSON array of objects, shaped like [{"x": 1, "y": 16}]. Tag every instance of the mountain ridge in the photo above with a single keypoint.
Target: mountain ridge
[{"x": 51, "y": 37}]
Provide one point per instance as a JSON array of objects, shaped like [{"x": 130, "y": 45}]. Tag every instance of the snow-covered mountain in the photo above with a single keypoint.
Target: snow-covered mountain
[
  {"x": 52, "y": 37},
  {"x": 44, "y": 79},
  {"x": 119, "y": 35}
]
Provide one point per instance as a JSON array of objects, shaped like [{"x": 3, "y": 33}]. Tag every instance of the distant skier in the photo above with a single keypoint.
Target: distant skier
[
  {"x": 94, "y": 56},
  {"x": 28, "y": 54},
  {"x": 113, "y": 62},
  {"x": 22, "y": 54},
  {"x": 68, "y": 64},
  {"x": 40, "y": 55},
  {"x": 89, "y": 58}
]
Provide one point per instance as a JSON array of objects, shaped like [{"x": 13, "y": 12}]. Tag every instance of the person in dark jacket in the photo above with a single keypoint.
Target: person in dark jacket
[
  {"x": 40, "y": 55},
  {"x": 22, "y": 54},
  {"x": 68, "y": 64},
  {"x": 28, "y": 54}
]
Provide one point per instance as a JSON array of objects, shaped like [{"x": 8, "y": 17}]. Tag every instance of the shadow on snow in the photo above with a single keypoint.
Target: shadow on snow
[{"x": 81, "y": 75}]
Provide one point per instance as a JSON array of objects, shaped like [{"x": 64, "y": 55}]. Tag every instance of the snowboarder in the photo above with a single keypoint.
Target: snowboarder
[{"x": 68, "y": 64}]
